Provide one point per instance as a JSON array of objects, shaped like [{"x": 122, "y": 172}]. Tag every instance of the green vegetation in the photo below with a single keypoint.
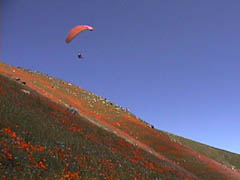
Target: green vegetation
[
  {"x": 232, "y": 160},
  {"x": 51, "y": 128},
  {"x": 40, "y": 139}
]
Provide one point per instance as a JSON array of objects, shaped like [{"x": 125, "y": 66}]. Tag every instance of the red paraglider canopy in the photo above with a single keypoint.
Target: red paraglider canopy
[{"x": 76, "y": 30}]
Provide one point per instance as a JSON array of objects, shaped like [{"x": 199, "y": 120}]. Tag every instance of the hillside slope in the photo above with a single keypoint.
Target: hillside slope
[
  {"x": 183, "y": 159},
  {"x": 39, "y": 138}
]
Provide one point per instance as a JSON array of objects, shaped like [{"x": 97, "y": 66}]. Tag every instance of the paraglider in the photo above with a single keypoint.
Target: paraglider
[{"x": 77, "y": 30}]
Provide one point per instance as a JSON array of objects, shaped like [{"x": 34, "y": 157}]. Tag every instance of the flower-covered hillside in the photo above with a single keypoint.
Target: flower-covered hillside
[
  {"x": 113, "y": 118},
  {"x": 41, "y": 139}
]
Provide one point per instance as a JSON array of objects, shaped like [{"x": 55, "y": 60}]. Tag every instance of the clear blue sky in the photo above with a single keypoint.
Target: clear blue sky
[{"x": 175, "y": 64}]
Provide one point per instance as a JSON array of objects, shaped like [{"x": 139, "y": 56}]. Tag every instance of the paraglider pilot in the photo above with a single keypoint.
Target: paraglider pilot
[{"x": 80, "y": 56}]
